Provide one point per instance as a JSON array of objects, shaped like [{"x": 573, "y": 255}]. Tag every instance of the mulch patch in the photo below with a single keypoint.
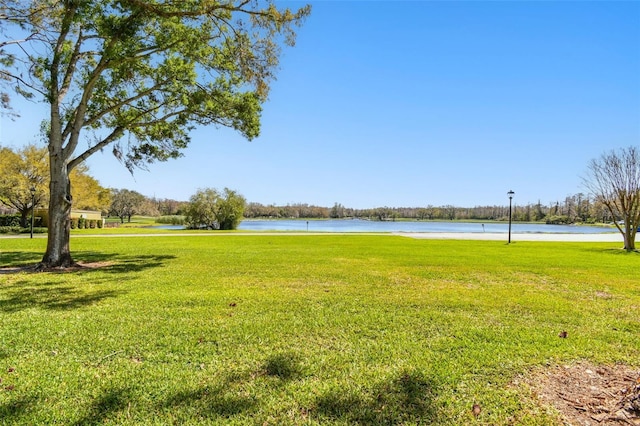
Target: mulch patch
[{"x": 587, "y": 394}]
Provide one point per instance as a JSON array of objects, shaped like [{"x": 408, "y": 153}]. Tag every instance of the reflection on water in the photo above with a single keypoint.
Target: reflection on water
[{"x": 348, "y": 225}]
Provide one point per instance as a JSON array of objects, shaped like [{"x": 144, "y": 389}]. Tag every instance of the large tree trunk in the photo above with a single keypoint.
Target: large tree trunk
[
  {"x": 58, "y": 253},
  {"x": 628, "y": 230},
  {"x": 23, "y": 218},
  {"x": 629, "y": 235}
]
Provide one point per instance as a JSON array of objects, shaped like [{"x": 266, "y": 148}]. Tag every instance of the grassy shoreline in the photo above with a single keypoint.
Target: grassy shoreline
[{"x": 329, "y": 329}]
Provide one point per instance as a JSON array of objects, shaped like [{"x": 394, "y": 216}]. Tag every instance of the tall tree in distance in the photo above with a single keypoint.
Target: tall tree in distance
[
  {"x": 210, "y": 209},
  {"x": 200, "y": 213},
  {"x": 614, "y": 180},
  {"x": 230, "y": 209},
  {"x": 21, "y": 172},
  {"x": 28, "y": 168},
  {"x": 87, "y": 192},
  {"x": 135, "y": 77},
  {"x": 125, "y": 203}
]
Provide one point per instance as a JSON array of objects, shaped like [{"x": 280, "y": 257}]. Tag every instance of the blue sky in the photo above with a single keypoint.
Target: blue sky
[{"x": 393, "y": 103}]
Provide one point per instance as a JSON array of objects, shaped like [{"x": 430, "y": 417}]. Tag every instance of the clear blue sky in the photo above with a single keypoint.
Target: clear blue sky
[{"x": 393, "y": 103}]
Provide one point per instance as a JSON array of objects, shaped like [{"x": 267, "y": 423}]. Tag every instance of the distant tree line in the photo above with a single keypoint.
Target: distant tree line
[
  {"x": 26, "y": 169},
  {"x": 126, "y": 203},
  {"x": 578, "y": 208}
]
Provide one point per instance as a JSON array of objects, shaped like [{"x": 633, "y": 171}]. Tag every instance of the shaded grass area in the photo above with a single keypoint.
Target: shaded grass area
[{"x": 346, "y": 329}]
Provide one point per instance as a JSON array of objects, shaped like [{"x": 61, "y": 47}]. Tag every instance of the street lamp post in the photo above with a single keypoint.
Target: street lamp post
[
  {"x": 510, "y": 194},
  {"x": 33, "y": 206}
]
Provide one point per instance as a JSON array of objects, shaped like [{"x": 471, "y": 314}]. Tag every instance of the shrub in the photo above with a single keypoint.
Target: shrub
[
  {"x": 38, "y": 230},
  {"x": 558, "y": 220},
  {"x": 171, "y": 220},
  {"x": 8, "y": 220},
  {"x": 99, "y": 223},
  {"x": 74, "y": 223},
  {"x": 9, "y": 229},
  {"x": 82, "y": 222}
]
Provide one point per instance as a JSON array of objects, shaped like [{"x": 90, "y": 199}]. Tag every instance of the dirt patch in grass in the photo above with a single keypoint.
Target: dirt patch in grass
[{"x": 587, "y": 394}]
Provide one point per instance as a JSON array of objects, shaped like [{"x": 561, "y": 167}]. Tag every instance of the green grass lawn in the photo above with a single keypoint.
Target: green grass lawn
[{"x": 331, "y": 329}]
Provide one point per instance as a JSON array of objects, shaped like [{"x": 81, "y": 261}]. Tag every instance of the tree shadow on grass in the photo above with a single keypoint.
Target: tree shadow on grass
[
  {"x": 117, "y": 264},
  {"x": 25, "y": 292},
  {"x": 86, "y": 261},
  {"x": 50, "y": 296},
  {"x": 210, "y": 403},
  {"x": 14, "y": 409},
  {"x": 615, "y": 251},
  {"x": 18, "y": 259},
  {"x": 110, "y": 402},
  {"x": 408, "y": 398},
  {"x": 226, "y": 399},
  {"x": 284, "y": 366}
]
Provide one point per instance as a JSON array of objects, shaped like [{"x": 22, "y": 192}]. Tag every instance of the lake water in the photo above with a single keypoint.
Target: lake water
[
  {"x": 355, "y": 225},
  {"x": 348, "y": 225}
]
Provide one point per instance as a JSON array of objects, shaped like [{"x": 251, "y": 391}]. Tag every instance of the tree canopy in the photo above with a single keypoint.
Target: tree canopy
[
  {"x": 136, "y": 76},
  {"x": 28, "y": 168},
  {"x": 125, "y": 203},
  {"x": 210, "y": 209},
  {"x": 86, "y": 191},
  {"x": 22, "y": 171}
]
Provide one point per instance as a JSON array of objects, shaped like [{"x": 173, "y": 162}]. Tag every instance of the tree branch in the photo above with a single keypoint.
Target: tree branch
[
  {"x": 10, "y": 42},
  {"x": 5, "y": 74},
  {"x": 113, "y": 136},
  {"x": 158, "y": 11},
  {"x": 71, "y": 67},
  {"x": 78, "y": 119},
  {"x": 89, "y": 121}
]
